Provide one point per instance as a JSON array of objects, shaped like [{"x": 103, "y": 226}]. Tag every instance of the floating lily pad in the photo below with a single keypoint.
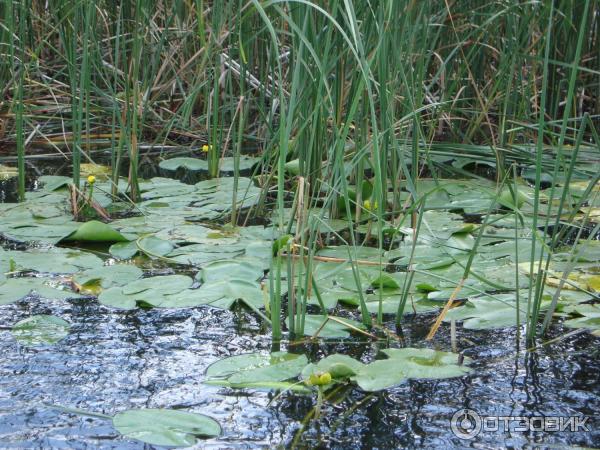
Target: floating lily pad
[
  {"x": 402, "y": 364},
  {"x": 95, "y": 231},
  {"x": 165, "y": 427},
  {"x": 232, "y": 268},
  {"x": 148, "y": 292},
  {"x": 192, "y": 164},
  {"x": 339, "y": 366},
  {"x": 124, "y": 250},
  {"x": 236, "y": 371},
  {"x": 40, "y": 330},
  {"x": 13, "y": 289},
  {"x": 154, "y": 246},
  {"x": 328, "y": 327},
  {"x": 226, "y": 165},
  {"x": 590, "y": 319},
  {"x": 94, "y": 281},
  {"x": 221, "y": 294}
]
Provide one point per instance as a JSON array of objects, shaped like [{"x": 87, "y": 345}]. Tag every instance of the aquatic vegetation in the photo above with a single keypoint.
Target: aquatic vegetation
[
  {"x": 165, "y": 427},
  {"x": 329, "y": 173},
  {"x": 40, "y": 330}
]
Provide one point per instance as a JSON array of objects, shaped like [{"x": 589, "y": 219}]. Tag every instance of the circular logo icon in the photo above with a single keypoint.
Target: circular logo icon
[{"x": 465, "y": 424}]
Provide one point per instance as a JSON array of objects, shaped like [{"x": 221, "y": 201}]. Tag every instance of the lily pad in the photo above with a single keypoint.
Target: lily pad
[
  {"x": 590, "y": 319},
  {"x": 236, "y": 371},
  {"x": 192, "y": 164},
  {"x": 154, "y": 246},
  {"x": 231, "y": 268},
  {"x": 95, "y": 231},
  {"x": 220, "y": 294},
  {"x": 165, "y": 427},
  {"x": 94, "y": 280},
  {"x": 13, "y": 289},
  {"x": 339, "y": 366},
  {"x": 40, "y": 330},
  {"x": 402, "y": 364},
  {"x": 124, "y": 250},
  {"x": 328, "y": 327}
]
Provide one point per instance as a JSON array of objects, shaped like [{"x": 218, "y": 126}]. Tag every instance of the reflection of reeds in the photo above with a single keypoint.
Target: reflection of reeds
[{"x": 379, "y": 92}]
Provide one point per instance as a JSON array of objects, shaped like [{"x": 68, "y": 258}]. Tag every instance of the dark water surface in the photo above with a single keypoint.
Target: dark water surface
[{"x": 113, "y": 360}]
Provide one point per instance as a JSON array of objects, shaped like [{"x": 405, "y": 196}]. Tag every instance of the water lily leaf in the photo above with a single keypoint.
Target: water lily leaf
[
  {"x": 166, "y": 284},
  {"x": 226, "y": 165},
  {"x": 256, "y": 367},
  {"x": 231, "y": 268},
  {"x": 489, "y": 312},
  {"x": 115, "y": 298},
  {"x": 54, "y": 182},
  {"x": 165, "y": 427},
  {"x": 154, "y": 246},
  {"x": 339, "y": 366},
  {"x": 262, "y": 385},
  {"x": 405, "y": 363},
  {"x": 53, "y": 260},
  {"x": 148, "y": 292},
  {"x": 192, "y": 164},
  {"x": 124, "y": 250},
  {"x": 13, "y": 289},
  {"x": 95, "y": 231},
  {"x": 93, "y": 281},
  {"x": 293, "y": 167},
  {"x": 590, "y": 319},
  {"x": 384, "y": 281},
  {"x": 40, "y": 330},
  {"x": 221, "y": 294},
  {"x": 328, "y": 327}
]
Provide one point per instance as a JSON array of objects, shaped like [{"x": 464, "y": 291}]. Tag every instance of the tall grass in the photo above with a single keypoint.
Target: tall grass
[{"x": 355, "y": 90}]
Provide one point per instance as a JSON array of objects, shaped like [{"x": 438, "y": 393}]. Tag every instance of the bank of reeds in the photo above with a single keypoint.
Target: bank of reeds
[{"x": 351, "y": 89}]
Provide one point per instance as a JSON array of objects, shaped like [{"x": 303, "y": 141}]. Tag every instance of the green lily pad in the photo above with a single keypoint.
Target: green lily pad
[
  {"x": 166, "y": 284},
  {"x": 40, "y": 330},
  {"x": 107, "y": 276},
  {"x": 13, "y": 289},
  {"x": 402, "y": 364},
  {"x": 232, "y": 268},
  {"x": 335, "y": 327},
  {"x": 220, "y": 294},
  {"x": 165, "y": 427},
  {"x": 590, "y": 319},
  {"x": 154, "y": 246},
  {"x": 257, "y": 368},
  {"x": 226, "y": 165},
  {"x": 124, "y": 250},
  {"x": 192, "y": 164},
  {"x": 95, "y": 231},
  {"x": 339, "y": 366}
]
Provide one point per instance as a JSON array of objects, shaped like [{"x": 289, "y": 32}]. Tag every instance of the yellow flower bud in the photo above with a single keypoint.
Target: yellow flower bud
[
  {"x": 368, "y": 206},
  {"x": 325, "y": 378},
  {"x": 91, "y": 179},
  {"x": 206, "y": 148},
  {"x": 313, "y": 380}
]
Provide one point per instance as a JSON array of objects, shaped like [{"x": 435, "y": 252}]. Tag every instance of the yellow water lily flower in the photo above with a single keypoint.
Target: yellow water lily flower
[
  {"x": 91, "y": 179},
  {"x": 206, "y": 148}
]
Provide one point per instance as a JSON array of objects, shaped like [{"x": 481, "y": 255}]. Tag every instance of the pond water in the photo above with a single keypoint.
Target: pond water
[{"x": 114, "y": 360}]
